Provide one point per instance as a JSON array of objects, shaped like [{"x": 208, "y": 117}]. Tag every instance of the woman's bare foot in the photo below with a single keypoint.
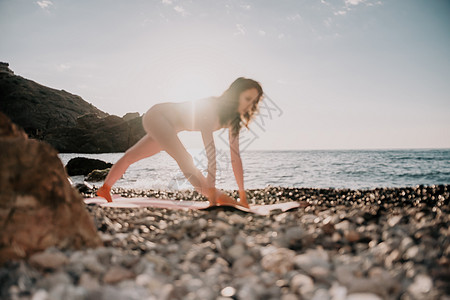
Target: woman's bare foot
[
  {"x": 223, "y": 199},
  {"x": 105, "y": 192},
  {"x": 211, "y": 195}
]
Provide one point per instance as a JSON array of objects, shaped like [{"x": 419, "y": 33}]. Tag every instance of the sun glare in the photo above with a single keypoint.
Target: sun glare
[
  {"x": 190, "y": 84},
  {"x": 191, "y": 73}
]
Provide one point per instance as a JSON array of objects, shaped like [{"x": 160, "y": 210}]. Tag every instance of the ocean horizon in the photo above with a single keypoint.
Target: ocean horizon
[{"x": 342, "y": 169}]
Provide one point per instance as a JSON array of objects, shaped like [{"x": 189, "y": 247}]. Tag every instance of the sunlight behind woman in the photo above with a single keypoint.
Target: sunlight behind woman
[{"x": 190, "y": 83}]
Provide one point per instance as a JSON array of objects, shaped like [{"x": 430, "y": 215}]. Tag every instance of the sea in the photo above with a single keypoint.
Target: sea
[{"x": 342, "y": 169}]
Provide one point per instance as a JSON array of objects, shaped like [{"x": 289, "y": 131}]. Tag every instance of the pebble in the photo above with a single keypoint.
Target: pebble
[
  {"x": 54, "y": 279},
  {"x": 352, "y": 236},
  {"x": 328, "y": 228},
  {"x": 294, "y": 237},
  {"x": 69, "y": 292},
  {"x": 49, "y": 260},
  {"x": 228, "y": 291},
  {"x": 88, "y": 281},
  {"x": 236, "y": 251},
  {"x": 237, "y": 219},
  {"x": 302, "y": 284},
  {"x": 116, "y": 274},
  {"x": 321, "y": 294},
  {"x": 394, "y": 220},
  {"x": 343, "y": 226},
  {"x": 421, "y": 286},
  {"x": 40, "y": 295},
  {"x": 289, "y": 297},
  {"x": 279, "y": 261},
  {"x": 388, "y": 243},
  {"x": 363, "y": 296},
  {"x": 312, "y": 260}
]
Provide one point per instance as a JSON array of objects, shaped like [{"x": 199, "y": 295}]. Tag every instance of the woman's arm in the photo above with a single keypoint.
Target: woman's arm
[
  {"x": 210, "y": 148},
  {"x": 236, "y": 163}
]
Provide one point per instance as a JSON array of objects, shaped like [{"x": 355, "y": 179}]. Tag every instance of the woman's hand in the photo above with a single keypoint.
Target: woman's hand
[
  {"x": 212, "y": 195},
  {"x": 243, "y": 198}
]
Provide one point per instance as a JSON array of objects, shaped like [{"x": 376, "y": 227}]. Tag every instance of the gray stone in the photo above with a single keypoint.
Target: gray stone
[
  {"x": 289, "y": 297},
  {"x": 67, "y": 292},
  {"x": 421, "y": 286},
  {"x": 279, "y": 261},
  {"x": 321, "y": 294},
  {"x": 228, "y": 291},
  {"x": 49, "y": 260},
  {"x": 91, "y": 263},
  {"x": 312, "y": 260},
  {"x": 302, "y": 284},
  {"x": 116, "y": 274},
  {"x": 363, "y": 296},
  {"x": 54, "y": 279},
  {"x": 236, "y": 251},
  {"x": 88, "y": 282},
  {"x": 40, "y": 295}
]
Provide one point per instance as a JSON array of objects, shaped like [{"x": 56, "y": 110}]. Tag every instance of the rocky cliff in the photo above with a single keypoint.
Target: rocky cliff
[{"x": 64, "y": 120}]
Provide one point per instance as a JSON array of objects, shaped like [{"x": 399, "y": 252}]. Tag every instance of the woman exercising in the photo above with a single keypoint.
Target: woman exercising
[{"x": 233, "y": 109}]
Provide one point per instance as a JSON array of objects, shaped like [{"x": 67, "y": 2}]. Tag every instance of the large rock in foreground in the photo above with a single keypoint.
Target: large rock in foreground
[{"x": 38, "y": 207}]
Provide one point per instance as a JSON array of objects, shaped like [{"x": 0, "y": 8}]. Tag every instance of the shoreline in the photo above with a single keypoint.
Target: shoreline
[
  {"x": 384, "y": 243},
  {"x": 276, "y": 194},
  {"x": 334, "y": 169}
]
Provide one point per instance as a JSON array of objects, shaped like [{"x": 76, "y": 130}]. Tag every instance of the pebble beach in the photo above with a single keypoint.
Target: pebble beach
[{"x": 384, "y": 243}]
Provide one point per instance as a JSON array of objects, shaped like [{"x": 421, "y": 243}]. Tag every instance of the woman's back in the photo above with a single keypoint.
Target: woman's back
[{"x": 196, "y": 115}]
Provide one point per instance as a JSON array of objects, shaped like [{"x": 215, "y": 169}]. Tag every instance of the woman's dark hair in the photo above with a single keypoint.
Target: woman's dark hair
[{"x": 228, "y": 104}]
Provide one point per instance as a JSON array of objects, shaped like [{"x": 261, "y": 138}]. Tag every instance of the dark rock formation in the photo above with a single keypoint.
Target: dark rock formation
[
  {"x": 9, "y": 129},
  {"x": 84, "y": 166},
  {"x": 38, "y": 108},
  {"x": 130, "y": 116},
  {"x": 98, "y": 175},
  {"x": 38, "y": 206},
  {"x": 5, "y": 70},
  {"x": 65, "y": 121},
  {"x": 96, "y": 135}
]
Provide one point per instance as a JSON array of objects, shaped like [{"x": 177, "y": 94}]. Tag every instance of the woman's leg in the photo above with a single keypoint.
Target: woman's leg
[
  {"x": 145, "y": 147},
  {"x": 165, "y": 134}
]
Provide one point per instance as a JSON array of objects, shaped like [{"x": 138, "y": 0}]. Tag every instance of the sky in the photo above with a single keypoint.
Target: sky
[{"x": 341, "y": 74}]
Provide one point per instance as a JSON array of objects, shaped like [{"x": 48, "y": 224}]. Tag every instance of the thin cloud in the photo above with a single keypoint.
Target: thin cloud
[
  {"x": 340, "y": 13},
  {"x": 262, "y": 33},
  {"x": 44, "y": 4},
  {"x": 246, "y": 6},
  {"x": 163, "y": 16},
  {"x": 375, "y": 4},
  {"x": 350, "y": 4},
  {"x": 179, "y": 9},
  {"x": 295, "y": 17},
  {"x": 241, "y": 29},
  {"x": 354, "y": 2},
  {"x": 63, "y": 67},
  {"x": 167, "y": 2}
]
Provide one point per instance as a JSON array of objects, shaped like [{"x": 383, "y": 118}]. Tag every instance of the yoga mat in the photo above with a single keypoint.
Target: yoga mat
[{"x": 138, "y": 202}]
